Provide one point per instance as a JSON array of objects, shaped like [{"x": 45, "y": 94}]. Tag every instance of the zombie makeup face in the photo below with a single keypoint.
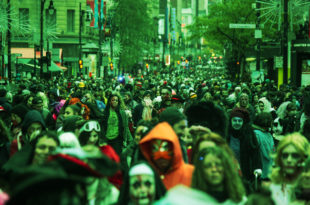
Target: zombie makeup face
[
  {"x": 291, "y": 160},
  {"x": 162, "y": 154},
  {"x": 277, "y": 128},
  {"x": 142, "y": 189},
  {"x": 236, "y": 123}
]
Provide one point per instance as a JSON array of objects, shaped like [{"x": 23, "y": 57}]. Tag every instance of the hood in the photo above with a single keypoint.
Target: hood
[
  {"x": 162, "y": 131},
  {"x": 30, "y": 117},
  {"x": 267, "y": 104}
]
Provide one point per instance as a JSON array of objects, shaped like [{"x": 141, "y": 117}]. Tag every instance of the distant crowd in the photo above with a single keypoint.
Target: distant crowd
[{"x": 191, "y": 137}]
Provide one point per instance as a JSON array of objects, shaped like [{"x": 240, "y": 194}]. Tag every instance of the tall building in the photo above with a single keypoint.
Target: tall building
[{"x": 61, "y": 31}]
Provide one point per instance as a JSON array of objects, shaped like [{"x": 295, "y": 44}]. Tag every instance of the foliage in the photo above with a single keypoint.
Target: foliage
[
  {"x": 135, "y": 29},
  {"x": 15, "y": 26},
  {"x": 215, "y": 27}
]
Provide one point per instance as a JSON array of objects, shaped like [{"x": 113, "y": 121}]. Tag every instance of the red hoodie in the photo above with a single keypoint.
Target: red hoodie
[{"x": 179, "y": 173}]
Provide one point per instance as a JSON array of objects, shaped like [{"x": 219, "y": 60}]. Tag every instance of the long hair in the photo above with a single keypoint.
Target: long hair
[
  {"x": 118, "y": 109},
  {"x": 302, "y": 146},
  {"x": 212, "y": 137},
  {"x": 232, "y": 183}
]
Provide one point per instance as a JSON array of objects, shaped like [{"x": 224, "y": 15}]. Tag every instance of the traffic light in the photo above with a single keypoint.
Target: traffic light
[
  {"x": 147, "y": 66},
  {"x": 111, "y": 66},
  {"x": 48, "y": 58},
  {"x": 80, "y": 64}
]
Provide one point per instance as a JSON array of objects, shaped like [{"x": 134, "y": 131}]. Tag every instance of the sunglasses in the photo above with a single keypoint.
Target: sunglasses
[{"x": 90, "y": 126}]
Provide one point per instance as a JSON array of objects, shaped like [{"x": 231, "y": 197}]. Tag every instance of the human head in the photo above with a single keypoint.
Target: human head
[
  {"x": 209, "y": 140},
  {"x": 88, "y": 97},
  {"x": 89, "y": 133},
  {"x": 215, "y": 171},
  {"x": 143, "y": 127},
  {"x": 239, "y": 117},
  {"x": 71, "y": 110},
  {"x": 115, "y": 102},
  {"x": 277, "y": 127},
  {"x": 37, "y": 103},
  {"x": 291, "y": 110},
  {"x": 292, "y": 150},
  {"x": 244, "y": 100},
  {"x": 176, "y": 120},
  {"x": 166, "y": 94},
  {"x": 33, "y": 122},
  {"x": 142, "y": 188},
  {"x": 73, "y": 124},
  {"x": 18, "y": 113},
  {"x": 44, "y": 144},
  {"x": 264, "y": 120},
  {"x": 161, "y": 154},
  {"x": 208, "y": 114}
]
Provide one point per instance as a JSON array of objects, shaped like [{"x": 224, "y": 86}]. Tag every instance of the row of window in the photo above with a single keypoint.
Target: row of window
[{"x": 49, "y": 19}]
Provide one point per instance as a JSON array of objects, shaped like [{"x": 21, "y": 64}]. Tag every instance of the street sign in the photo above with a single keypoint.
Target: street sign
[
  {"x": 278, "y": 61},
  {"x": 244, "y": 26},
  {"x": 258, "y": 33}
]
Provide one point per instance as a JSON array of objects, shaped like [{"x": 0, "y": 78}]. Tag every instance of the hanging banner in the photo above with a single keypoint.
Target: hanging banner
[{"x": 98, "y": 8}]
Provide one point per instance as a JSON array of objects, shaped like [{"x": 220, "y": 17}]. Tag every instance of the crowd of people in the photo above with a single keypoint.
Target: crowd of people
[{"x": 163, "y": 138}]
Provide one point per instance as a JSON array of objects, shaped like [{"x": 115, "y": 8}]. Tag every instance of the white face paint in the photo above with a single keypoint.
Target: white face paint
[
  {"x": 236, "y": 123},
  {"x": 142, "y": 189},
  {"x": 277, "y": 128}
]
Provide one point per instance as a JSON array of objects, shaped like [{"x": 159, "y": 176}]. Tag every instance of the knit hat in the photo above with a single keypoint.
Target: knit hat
[
  {"x": 242, "y": 113},
  {"x": 171, "y": 115},
  {"x": 20, "y": 110}
]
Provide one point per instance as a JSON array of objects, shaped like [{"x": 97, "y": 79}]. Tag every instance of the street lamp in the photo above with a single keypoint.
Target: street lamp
[{"x": 51, "y": 10}]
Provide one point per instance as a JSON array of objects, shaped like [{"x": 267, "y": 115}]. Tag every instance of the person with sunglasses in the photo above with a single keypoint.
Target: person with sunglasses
[{"x": 291, "y": 153}]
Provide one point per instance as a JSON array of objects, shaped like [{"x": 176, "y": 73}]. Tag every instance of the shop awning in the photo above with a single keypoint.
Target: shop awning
[
  {"x": 54, "y": 68},
  {"x": 61, "y": 67}
]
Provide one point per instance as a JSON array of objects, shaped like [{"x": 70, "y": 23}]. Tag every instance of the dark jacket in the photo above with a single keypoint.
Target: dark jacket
[
  {"x": 250, "y": 158},
  {"x": 31, "y": 117}
]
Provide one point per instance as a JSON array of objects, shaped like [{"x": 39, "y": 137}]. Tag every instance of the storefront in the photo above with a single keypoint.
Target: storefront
[{"x": 300, "y": 62}]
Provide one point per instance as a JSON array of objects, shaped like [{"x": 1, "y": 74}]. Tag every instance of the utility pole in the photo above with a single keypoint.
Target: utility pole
[
  {"x": 165, "y": 37},
  {"x": 80, "y": 39},
  {"x": 197, "y": 13},
  {"x": 258, "y": 41},
  {"x": 9, "y": 40},
  {"x": 41, "y": 38},
  {"x": 100, "y": 42},
  {"x": 285, "y": 41}
]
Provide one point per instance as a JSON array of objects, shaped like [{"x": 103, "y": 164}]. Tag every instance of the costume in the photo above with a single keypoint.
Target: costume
[{"x": 179, "y": 172}]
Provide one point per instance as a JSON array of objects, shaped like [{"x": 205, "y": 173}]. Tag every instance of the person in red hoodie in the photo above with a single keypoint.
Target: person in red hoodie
[{"x": 162, "y": 149}]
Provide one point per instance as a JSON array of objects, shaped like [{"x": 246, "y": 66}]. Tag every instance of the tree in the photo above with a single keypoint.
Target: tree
[
  {"x": 215, "y": 29},
  {"x": 135, "y": 29}
]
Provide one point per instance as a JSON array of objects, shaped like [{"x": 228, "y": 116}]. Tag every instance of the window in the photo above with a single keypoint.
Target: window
[
  {"x": 70, "y": 21},
  {"x": 162, "y": 6},
  {"x": 23, "y": 17},
  {"x": 187, "y": 4}
]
